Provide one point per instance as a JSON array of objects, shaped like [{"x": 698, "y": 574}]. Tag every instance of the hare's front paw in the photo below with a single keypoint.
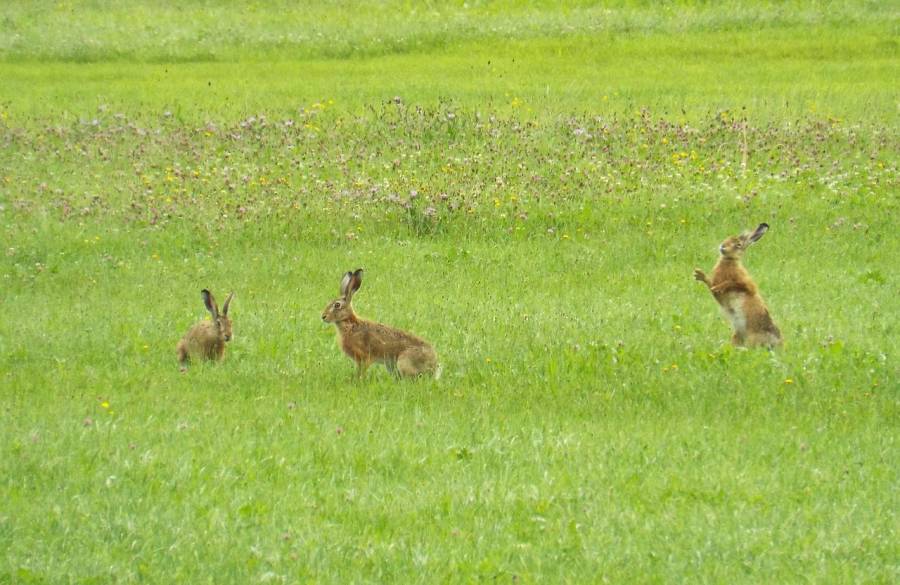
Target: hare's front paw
[{"x": 699, "y": 275}]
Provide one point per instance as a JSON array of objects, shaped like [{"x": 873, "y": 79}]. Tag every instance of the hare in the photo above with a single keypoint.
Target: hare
[
  {"x": 206, "y": 340},
  {"x": 365, "y": 342},
  {"x": 738, "y": 295}
]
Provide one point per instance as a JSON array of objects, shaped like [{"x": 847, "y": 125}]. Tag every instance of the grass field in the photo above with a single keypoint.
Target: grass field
[{"x": 533, "y": 203}]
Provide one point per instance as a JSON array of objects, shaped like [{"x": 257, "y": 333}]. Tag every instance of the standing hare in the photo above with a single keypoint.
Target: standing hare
[
  {"x": 206, "y": 340},
  {"x": 365, "y": 342},
  {"x": 738, "y": 295}
]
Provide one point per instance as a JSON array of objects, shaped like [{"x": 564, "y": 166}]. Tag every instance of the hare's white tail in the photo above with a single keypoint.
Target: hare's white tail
[{"x": 438, "y": 371}]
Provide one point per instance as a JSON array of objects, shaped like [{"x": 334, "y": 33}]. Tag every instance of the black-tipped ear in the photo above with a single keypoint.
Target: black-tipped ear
[
  {"x": 351, "y": 283},
  {"x": 210, "y": 303},
  {"x": 760, "y": 231},
  {"x": 227, "y": 302},
  {"x": 345, "y": 282},
  {"x": 356, "y": 281}
]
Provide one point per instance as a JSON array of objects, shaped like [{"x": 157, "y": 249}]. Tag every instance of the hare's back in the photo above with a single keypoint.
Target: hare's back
[{"x": 390, "y": 341}]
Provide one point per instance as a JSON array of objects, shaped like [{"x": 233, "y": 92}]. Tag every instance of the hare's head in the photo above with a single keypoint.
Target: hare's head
[
  {"x": 220, "y": 318},
  {"x": 735, "y": 246},
  {"x": 339, "y": 309}
]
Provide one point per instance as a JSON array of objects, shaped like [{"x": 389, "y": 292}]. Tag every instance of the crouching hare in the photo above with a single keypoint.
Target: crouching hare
[
  {"x": 365, "y": 342},
  {"x": 738, "y": 295},
  {"x": 206, "y": 340}
]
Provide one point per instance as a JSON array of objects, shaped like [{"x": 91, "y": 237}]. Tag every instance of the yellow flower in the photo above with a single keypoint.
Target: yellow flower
[
  {"x": 104, "y": 404},
  {"x": 789, "y": 381}
]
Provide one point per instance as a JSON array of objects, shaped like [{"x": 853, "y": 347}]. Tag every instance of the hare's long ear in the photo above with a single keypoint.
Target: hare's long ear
[
  {"x": 345, "y": 283},
  {"x": 355, "y": 282},
  {"x": 227, "y": 301},
  {"x": 210, "y": 303},
  {"x": 760, "y": 231}
]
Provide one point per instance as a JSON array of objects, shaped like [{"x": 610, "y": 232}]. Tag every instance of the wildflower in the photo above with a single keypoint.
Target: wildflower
[{"x": 789, "y": 381}]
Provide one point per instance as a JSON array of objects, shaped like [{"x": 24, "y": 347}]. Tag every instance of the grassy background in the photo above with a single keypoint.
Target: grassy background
[
  {"x": 205, "y": 60},
  {"x": 534, "y": 206}
]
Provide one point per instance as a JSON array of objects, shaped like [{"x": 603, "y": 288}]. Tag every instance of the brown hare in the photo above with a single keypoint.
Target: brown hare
[
  {"x": 365, "y": 342},
  {"x": 206, "y": 340},
  {"x": 738, "y": 295}
]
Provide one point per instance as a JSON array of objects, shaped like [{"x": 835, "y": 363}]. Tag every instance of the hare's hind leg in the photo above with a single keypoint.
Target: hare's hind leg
[
  {"x": 416, "y": 361},
  {"x": 391, "y": 367},
  {"x": 767, "y": 339},
  {"x": 183, "y": 355}
]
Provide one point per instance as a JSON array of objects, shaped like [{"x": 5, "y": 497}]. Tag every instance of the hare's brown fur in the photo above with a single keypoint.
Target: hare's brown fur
[
  {"x": 206, "y": 340},
  {"x": 737, "y": 294},
  {"x": 367, "y": 342}
]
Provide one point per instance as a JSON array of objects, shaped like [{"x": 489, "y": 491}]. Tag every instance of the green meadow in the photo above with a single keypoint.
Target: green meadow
[{"x": 529, "y": 186}]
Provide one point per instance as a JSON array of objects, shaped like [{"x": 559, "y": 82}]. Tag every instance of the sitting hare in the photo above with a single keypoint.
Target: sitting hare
[
  {"x": 402, "y": 353},
  {"x": 737, "y": 294},
  {"x": 206, "y": 340}
]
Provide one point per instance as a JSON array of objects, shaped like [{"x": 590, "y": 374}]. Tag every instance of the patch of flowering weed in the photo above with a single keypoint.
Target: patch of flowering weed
[{"x": 426, "y": 168}]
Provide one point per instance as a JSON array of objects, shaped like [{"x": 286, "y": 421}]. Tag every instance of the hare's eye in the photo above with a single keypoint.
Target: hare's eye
[{"x": 338, "y": 305}]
